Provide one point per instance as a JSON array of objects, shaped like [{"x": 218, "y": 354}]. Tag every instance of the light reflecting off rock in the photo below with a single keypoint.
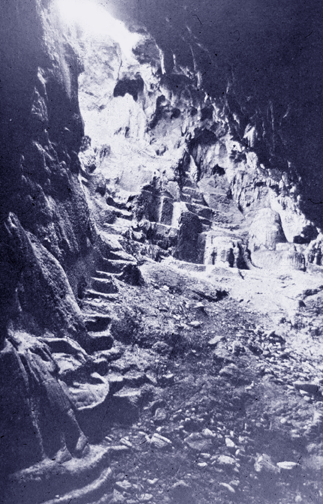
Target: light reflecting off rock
[{"x": 96, "y": 21}]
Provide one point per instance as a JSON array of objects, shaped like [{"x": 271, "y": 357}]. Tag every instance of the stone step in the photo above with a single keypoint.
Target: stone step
[
  {"x": 192, "y": 193},
  {"x": 134, "y": 378},
  {"x": 66, "y": 482},
  {"x": 111, "y": 202},
  {"x": 100, "y": 334},
  {"x": 98, "y": 341},
  {"x": 104, "y": 286},
  {"x": 116, "y": 381},
  {"x": 129, "y": 273},
  {"x": 104, "y": 275},
  {"x": 200, "y": 201},
  {"x": 118, "y": 255},
  {"x": 201, "y": 211},
  {"x": 188, "y": 184},
  {"x": 186, "y": 198},
  {"x": 85, "y": 181},
  {"x": 206, "y": 223},
  {"x": 115, "y": 265},
  {"x": 93, "y": 490},
  {"x": 94, "y": 294},
  {"x": 97, "y": 322},
  {"x": 119, "y": 225},
  {"x": 118, "y": 212}
]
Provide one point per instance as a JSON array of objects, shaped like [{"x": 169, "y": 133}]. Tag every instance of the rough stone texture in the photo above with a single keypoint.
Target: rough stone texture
[
  {"x": 46, "y": 232},
  {"x": 94, "y": 333},
  {"x": 191, "y": 158},
  {"x": 40, "y": 420},
  {"x": 265, "y": 231}
]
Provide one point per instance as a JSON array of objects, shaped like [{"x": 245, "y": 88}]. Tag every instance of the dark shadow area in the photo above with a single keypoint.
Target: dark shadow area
[{"x": 130, "y": 86}]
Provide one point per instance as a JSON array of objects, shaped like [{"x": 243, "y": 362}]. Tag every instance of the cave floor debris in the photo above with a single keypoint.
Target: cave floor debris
[{"x": 229, "y": 406}]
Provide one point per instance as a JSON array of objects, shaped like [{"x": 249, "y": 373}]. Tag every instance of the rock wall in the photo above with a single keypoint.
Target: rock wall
[
  {"x": 46, "y": 233},
  {"x": 160, "y": 168},
  {"x": 41, "y": 131},
  {"x": 268, "y": 55},
  {"x": 174, "y": 155}
]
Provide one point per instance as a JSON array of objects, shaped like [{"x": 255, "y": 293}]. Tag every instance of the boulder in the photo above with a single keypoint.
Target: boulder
[
  {"x": 89, "y": 394},
  {"x": 69, "y": 365},
  {"x": 131, "y": 275},
  {"x": 40, "y": 419},
  {"x": 266, "y": 230},
  {"x": 226, "y": 460},
  {"x": 161, "y": 442},
  {"x": 125, "y": 405},
  {"x": 198, "y": 442},
  {"x": 265, "y": 464},
  {"x": 310, "y": 387}
]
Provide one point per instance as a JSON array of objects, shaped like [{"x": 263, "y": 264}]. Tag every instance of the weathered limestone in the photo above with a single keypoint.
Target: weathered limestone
[
  {"x": 166, "y": 211},
  {"x": 265, "y": 231}
]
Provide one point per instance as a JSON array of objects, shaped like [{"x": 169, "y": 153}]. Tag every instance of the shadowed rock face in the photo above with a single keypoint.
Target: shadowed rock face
[
  {"x": 41, "y": 130},
  {"x": 184, "y": 154},
  {"x": 45, "y": 232}
]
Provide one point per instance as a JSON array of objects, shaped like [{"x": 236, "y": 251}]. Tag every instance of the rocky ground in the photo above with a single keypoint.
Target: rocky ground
[
  {"x": 233, "y": 412},
  {"x": 164, "y": 339},
  {"x": 210, "y": 399}
]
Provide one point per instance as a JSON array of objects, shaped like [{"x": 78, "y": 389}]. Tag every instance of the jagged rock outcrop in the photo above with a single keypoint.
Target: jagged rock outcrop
[
  {"x": 46, "y": 235},
  {"x": 266, "y": 230},
  {"x": 275, "y": 94},
  {"x": 40, "y": 419},
  {"x": 42, "y": 130},
  {"x": 115, "y": 155},
  {"x": 191, "y": 166}
]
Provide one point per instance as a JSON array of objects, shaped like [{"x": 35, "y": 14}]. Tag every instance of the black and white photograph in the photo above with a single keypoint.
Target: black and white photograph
[{"x": 161, "y": 252}]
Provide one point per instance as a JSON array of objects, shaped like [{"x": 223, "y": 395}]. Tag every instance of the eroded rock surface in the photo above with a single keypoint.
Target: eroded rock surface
[{"x": 160, "y": 283}]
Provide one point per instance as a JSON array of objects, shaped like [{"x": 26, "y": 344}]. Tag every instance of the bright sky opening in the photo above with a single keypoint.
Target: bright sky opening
[{"x": 97, "y": 21}]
